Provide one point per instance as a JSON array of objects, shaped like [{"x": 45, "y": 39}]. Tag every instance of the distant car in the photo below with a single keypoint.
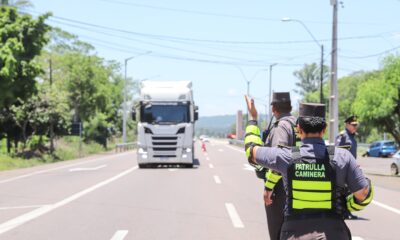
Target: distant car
[
  {"x": 231, "y": 136},
  {"x": 395, "y": 165},
  {"x": 204, "y": 138},
  {"x": 382, "y": 149}
]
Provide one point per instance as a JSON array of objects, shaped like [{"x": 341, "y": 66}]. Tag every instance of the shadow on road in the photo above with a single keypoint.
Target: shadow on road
[{"x": 195, "y": 165}]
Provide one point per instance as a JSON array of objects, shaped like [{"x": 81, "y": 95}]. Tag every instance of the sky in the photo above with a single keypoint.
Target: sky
[{"x": 222, "y": 45}]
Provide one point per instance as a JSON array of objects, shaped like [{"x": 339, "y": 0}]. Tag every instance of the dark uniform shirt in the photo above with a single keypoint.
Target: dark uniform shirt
[
  {"x": 347, "y": 171},
  {"x": 345, "y": 139},
  {"x": 282, "y": 131}
]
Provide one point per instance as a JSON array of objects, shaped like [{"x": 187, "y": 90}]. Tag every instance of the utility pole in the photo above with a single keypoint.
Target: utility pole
[
  {"x": 51, "y": 119},
  {"x": 270, "y": 90},
  {"x": 333, "y": 99},
  {"x": 321, "y": 94},
  {"x": 125, "y": 105}
]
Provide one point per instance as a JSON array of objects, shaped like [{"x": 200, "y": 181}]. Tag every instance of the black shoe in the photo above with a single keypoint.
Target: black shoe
[{"x": 351, "y": 216}]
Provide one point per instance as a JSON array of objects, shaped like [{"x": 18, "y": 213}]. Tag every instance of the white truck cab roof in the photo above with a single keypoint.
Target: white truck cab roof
[{"x": 180, "y": 91}]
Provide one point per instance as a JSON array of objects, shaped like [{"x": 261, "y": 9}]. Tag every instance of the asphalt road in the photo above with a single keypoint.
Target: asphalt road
[{"x": 108, "y": 197}]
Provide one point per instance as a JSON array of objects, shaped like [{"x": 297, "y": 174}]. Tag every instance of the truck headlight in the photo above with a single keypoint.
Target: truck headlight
[
  {"x": 184, "y": 155},
  {"x": 142, "y": 151},
  {"x": 188, "y": 150}
]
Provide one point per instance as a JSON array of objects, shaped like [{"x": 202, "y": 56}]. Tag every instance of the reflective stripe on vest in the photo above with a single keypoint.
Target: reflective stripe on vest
[{"x": 311, "y": 184}]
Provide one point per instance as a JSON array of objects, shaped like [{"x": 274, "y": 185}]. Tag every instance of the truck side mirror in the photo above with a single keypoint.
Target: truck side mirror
[
  {"x": 196, "y": 116},
  {"x": 133, "y": 115}
]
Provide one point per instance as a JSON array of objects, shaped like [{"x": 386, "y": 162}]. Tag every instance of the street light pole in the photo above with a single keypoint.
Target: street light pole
[
  {"x": 124, "y": 117},
  {"x": 322, "y": 53}
]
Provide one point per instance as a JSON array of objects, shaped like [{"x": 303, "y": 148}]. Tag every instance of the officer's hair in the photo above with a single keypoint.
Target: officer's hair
[
  {"x": 282, "y": 107},
  {"x": 312, "y": 124}
]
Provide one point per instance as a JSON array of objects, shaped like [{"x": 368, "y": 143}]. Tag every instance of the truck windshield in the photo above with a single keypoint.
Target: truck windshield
[{"x": 165, "y": 113}]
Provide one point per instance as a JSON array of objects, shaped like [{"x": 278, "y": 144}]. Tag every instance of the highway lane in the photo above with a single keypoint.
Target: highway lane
[{"x": 109, "y": 198}]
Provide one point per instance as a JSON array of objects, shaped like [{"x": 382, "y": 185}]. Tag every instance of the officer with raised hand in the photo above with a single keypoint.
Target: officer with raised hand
[
  {"x": 346, "y": 138},
  {"x": 283, "y": 133},
  {"x": 314, "y": 176}
]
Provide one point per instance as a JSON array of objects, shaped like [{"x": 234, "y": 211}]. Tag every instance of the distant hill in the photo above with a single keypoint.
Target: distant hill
[{"x": 216, "y": 125}]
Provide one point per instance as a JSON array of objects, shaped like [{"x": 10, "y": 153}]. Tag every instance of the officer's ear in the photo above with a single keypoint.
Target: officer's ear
[
  {"x": 323, "y": 131},
  {"x": 301, "y": 131}
]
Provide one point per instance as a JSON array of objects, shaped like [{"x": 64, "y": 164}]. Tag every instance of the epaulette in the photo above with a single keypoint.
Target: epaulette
[
  {"x": 344, "y": 146},
  {"x": 342, "y": 133},
  {"x": 283, "y": 146}
]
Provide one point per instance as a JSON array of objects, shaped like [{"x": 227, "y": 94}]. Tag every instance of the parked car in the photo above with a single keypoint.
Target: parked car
[
  {"x": 382, "y": 149},
  {"x": 231, "y": 136},
  {"x": 395, "y": 165}
]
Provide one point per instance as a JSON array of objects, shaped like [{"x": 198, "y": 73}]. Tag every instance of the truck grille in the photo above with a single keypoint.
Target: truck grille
[
  {"x": 164, "y": 146},
  {"x": 165, "y": 138},
  {"x": 161, "y": 156},
  {"x": 164, "y": 149}
]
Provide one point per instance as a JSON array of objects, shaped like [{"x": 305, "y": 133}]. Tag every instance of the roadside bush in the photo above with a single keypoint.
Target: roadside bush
[{"x": 97, "y": 130}]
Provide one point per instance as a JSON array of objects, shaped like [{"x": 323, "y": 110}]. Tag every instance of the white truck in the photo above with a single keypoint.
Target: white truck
[{"x": 166, "y": 114}]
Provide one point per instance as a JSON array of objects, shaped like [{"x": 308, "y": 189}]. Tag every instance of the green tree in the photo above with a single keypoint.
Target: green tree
[
  {"x": 309, "y": 78},
  {"x": 377, "y": 100},
  {"x": 17, "y": 3},
  {"x": 22, "y": 39}
]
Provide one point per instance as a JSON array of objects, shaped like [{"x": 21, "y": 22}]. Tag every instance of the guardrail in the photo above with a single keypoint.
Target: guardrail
[
  {"x": 120, "y": 147},
  {"x": 236, "y": 142}
]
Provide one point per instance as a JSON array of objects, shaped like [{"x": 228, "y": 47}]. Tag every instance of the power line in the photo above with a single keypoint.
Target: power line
[
  {"x": 126, "y": 49},
  {"x": 180, "y": 49},
  {"x": 187, "y": 11},
  {"x": 165, "y": 37},
  {"x": 371, "y": 55},
  {"x": 159, "y": 45}
]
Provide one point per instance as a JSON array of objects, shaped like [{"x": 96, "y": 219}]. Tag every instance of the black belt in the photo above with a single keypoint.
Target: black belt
[{"x": 312, "y": 216}]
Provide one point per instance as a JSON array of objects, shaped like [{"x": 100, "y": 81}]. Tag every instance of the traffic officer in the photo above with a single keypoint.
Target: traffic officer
[
  {"x": 281, "y": 133},
  {"x": 346, "y": 138},
  {"x": 314, "y": 177}
]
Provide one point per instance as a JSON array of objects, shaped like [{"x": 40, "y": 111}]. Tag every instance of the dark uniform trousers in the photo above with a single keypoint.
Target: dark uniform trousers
[
  {"x": 275, "y": 211},
  {"x": 315, "y": 229}
]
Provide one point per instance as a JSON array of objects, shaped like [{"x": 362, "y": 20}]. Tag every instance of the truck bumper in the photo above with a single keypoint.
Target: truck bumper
[{"x": 149, "y": 158}]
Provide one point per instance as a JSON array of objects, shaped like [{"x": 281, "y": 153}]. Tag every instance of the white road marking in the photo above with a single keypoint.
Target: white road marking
[
  {"x": 392, "y": 209},
  {"x": 18, "y": 221},
  {"x": 248, "y": 167},
  {"x": 87, "y": 169},
  {"x": 205, "y": 154},
  {"x": 236, "y": 148},
  {"x": 217, "y": 179},
  {"x": 210, "y": 165},
  {"x": 21, "y": 207},
  {"x": 62, "y": 167},
  {"x": 237, "y": 223},
  {"x": 220, "y": 150},
  {"x": 120, "y": 235},
  {"x": 356, "y": 238},
  {"x": 208, "y": 159},
  {"x": 172, "y": 169}
]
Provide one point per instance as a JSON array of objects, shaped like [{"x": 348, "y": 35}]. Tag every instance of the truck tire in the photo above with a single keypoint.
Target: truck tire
[
  {"x": 188, "y": 165},
  {"x": 143, "y": 165}
]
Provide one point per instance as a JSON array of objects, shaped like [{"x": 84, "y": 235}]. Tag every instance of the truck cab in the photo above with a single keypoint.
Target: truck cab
[{"x": 166, "y": 118}]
